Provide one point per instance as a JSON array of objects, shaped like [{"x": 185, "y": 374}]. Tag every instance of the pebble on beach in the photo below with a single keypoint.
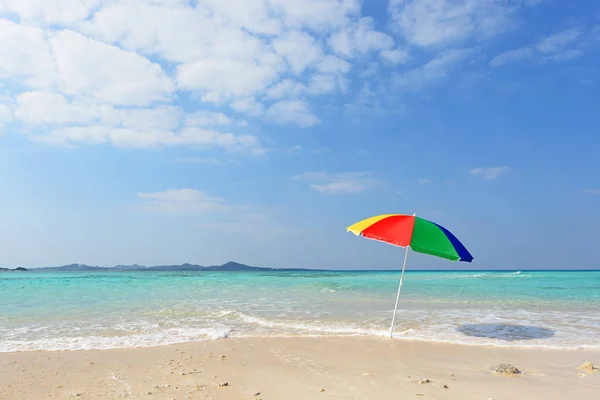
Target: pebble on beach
[
  {"x": 507, "y": 369},
  {"x": 423, "y": 381},
  {"x": 224, "y": 384},
  {"x": 445, "y": 387}
]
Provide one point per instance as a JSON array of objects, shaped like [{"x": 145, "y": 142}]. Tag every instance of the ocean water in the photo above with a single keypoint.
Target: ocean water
[{"x": 69, "y": 311}]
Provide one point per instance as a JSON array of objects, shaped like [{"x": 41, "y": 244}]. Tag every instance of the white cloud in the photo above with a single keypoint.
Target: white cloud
[
  {"x": 299, "y": 49},
  {"x": 89, "y": 67},
  {"x": 223, "y": 79},
  {"x": 291, "y": 112},
  {"x": 137, "y": 138},
  {"x": 47, "y": 108},
  {"x": 248, "y": 105},
  {"x": 558, "y": 41},
  {"x": 343, "y": 183},
  {"x": 333, "y": 65},
  {"x": 511, "y": 56},
  {"x": 359, "y": 38},
  {"x": 182, "y": 201},
  {"x": 49, "y": 12},
  {"x": 316, "y": 14},
  {"x": 432, "y": 71},
  {"x": 286, "y": 88},
  {"x": 371, "y": 101},
  {"x": 489, "y": 173},
  {"x": 207, "y": 118},
  {"x": 216, "y": 43},
  {"x": 438, "y": 22},
  {"x": 395, "y": 56},
  {"x": 255, "y": 16},
  {"x": 120, "y": 72},
  {"x": 561, "y": 46},
  {"x": 67, "y": 122},
  {"x": 76, "y": 65},
  {"x": 322, "y": 84},
  {"x": 25, "y": 54},
  {"x": 39, "y": 107}
]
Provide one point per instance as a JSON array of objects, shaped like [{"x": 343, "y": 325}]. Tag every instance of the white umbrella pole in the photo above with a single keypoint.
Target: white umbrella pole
[{"x": 399, "y": 289}]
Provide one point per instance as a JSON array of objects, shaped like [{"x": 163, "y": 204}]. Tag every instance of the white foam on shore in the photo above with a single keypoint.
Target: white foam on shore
[
  {"x": 483, "y": 327},
  {"x": 169, "y": 336}
]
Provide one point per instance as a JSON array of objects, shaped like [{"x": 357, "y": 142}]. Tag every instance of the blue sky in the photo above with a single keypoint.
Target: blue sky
[{"x": 256, "y": 131}]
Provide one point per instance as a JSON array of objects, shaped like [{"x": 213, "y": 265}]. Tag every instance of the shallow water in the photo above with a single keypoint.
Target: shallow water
[{"x": 61, "y": 311}]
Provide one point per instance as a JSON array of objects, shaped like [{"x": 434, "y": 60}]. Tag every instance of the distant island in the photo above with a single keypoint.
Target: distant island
[
  {"x": 12, "y": 270},
  {"x": 229, "y": 266}
]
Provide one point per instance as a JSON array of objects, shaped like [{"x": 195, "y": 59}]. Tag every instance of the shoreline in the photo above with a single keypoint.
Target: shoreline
[
  {"x": 508, "y": 345},
  {"x": 298, "y": 368}
]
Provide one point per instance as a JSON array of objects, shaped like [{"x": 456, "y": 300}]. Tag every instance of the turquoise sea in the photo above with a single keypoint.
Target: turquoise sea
[{"x": 67, "y": 311}]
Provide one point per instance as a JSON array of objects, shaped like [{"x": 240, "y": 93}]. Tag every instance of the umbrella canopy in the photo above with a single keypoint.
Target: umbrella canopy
[
  {"x": 419, "y": 234},
  {"x": 409, "y": 231}
]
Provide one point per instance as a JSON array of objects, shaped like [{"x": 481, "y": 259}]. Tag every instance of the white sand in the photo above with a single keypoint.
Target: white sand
[{"x": 298, "y": 368}]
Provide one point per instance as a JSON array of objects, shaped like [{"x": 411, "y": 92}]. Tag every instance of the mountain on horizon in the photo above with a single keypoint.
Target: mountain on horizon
[{"x": 228, "y": 266}]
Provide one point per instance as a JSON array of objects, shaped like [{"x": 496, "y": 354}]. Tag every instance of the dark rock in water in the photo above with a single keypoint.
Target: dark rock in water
[
  {"x": 508, "y": 369},
  {"x": 20, "y": 269}
]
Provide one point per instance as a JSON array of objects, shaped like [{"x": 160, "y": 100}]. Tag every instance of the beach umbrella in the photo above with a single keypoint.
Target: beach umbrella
[{"x": 415, "y": 233}]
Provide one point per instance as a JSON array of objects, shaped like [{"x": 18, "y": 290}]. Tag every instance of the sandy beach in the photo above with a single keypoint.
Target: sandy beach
[{"x": 299, "y": 368}]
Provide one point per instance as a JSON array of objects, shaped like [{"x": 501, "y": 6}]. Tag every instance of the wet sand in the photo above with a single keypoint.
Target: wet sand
[{"x": 299, "y": 368}]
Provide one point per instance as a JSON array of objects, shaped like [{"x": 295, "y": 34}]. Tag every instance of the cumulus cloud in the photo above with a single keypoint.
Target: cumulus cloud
[
  {"x": 291, "y": 111},
  {"x": 85, "y": 71},
  {"x": 48, "y": 12},
  {"x": 489, "y": 173},
  {"x": 359, "y": 38},
  {"x": 395, "y": 56},
  {"x": 54, "y": 119},
  {"x": 437, "y": 22},
  {"x": 342, "y": 183}
]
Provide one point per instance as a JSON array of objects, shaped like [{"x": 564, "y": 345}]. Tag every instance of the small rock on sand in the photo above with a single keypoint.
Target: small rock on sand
[
  {"x": 224, "y": 384},
  {"x": 445, "y": 387},
  {"x": 588, "y": 366},
  {"x": 321, "y": 390},
  {"x": 423, "y": 381},
  {"x": 507, "y": 369},
  {"x": 256, "y": 394}
]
